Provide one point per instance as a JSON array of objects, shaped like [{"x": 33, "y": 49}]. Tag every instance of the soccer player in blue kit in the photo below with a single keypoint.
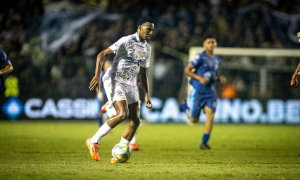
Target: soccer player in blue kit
[
  {"x": 203, "y": 94},
  {"x": 7, "y": 69}
]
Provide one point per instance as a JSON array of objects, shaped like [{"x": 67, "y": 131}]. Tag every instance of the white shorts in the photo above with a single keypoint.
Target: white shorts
[{"x": 119, "y": 92}]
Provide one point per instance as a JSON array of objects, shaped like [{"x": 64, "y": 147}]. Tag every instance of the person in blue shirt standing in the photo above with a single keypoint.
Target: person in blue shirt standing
[
  {"x": 5, "y": 62},
  {"x": 203, "y": 94}
]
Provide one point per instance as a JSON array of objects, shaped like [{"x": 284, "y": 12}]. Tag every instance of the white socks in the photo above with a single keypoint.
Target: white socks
[
  {"x": 133, "y": 139},
  {"x": 103, "y": 130},
  {"x": 124, "y": 141}
]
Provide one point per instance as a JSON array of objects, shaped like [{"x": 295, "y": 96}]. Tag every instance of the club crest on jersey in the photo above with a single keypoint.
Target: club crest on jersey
[{"x": 138, "y": 53}]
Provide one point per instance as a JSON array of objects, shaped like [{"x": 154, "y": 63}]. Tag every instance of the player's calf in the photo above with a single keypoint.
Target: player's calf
[{"x": 134, "y": 124}]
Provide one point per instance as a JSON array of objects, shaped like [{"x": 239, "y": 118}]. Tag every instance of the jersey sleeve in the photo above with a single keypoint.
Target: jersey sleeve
[
  {"x": 117, "y": 44},
  {"x": 146, "y": 62},
  {"x": 196, "y": 62},
  {"x": 3, "y": 58}
]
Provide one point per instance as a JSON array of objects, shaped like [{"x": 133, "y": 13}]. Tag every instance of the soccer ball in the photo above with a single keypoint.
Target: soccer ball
[{"x": 121, "y": 152}]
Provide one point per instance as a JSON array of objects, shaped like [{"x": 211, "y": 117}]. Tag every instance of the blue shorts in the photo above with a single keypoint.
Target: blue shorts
[{"x": 197, "y": 101}]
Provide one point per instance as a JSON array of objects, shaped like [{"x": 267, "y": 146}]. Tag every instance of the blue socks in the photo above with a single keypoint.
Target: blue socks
[
  {"x": 100, "y": 120},
  {"x": 184, "y": 107},
  {"x": 205, "y": 138}
]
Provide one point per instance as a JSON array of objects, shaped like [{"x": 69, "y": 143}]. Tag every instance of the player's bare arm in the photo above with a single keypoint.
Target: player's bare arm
[
  {"x": 145, "y": 85},
  {"x": 189, "y": 72},
  {"x": 100, "y": 58},
  {"x": 294, "y": 81},
  {"x": 106, "y": 65},
  {"x": 8, "y": 68},
  {"x": 221, "y": 78}
]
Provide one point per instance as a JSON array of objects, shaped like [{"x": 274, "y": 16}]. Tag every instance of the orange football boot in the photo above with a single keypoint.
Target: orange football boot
[
  {"x": 93, "y": 148},
  {"x": 134, "y": 147}
]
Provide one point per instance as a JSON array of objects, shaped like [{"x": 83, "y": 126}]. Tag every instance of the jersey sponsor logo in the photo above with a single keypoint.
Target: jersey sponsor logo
[
  {"x": 123, "y": 76},
  {"x": 207, "y": 74},
  {"x": 136, "y": 62}
]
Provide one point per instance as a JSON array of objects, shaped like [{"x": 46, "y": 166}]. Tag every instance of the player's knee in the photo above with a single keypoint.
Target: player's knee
[
  {"x": 210, "y": 114},
  {"x": 123, "y": 115},
  {"x": 194, "y": 120}
]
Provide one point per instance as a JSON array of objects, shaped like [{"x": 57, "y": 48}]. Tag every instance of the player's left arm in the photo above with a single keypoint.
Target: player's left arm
[
  {"x": 8, "y": 68},
  {"x": 222, "y": 79},
  {"x": 144, "y": 84}
]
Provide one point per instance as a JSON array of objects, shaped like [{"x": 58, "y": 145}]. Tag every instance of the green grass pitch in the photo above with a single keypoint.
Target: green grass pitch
[{"x": 56, "y": 150}]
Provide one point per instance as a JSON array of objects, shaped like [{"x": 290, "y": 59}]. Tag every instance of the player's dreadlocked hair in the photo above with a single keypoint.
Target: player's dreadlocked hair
[
  {"x": 298, "y": 30},
  {"x": 209, "y": 36},
  {"x": 144, "y": 19}
]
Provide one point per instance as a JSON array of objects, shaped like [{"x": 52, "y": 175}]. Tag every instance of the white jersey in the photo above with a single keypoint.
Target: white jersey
[{"x": 121, "y": 77}]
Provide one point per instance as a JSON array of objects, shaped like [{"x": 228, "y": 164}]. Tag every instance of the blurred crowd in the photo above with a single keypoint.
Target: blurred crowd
[{"x": 179, "y": 25}]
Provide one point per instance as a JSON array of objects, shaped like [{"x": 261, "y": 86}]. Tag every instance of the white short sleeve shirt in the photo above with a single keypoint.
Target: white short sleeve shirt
[{"x": 131, "y": 54}]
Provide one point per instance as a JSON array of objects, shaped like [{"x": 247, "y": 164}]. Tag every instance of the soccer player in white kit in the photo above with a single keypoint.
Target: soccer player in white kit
[{"x": 132, "y": 59}]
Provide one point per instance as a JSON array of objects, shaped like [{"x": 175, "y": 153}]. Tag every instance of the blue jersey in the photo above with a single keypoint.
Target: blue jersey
[
  {"x": 4, "y": 62},
  {"x": 206, "y": 67}
]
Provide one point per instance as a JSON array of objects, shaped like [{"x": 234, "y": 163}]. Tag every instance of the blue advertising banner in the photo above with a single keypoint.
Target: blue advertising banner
[{"x": 228, "y": 111}]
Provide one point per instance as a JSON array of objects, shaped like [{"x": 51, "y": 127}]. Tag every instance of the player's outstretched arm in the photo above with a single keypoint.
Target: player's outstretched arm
[
  {"x": 100, "y": 58},
  {"x": 144, "y": 84},
  {"x": 189, "y": 72},
  {"x": 294, "y": 81},
  {"x": 8, "y": 68}
]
